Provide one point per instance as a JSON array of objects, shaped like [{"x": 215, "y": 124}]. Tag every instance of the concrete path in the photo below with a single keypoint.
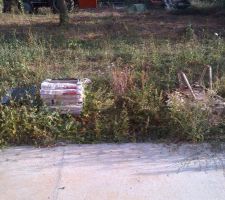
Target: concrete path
[{"x": 112, "y": 172}]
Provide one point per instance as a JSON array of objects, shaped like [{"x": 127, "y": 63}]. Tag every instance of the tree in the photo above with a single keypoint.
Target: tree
[{"x": 63, "y": 13}]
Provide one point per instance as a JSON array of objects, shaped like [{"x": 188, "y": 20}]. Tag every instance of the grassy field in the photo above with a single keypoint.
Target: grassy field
[{"x": 132, "y": 61}]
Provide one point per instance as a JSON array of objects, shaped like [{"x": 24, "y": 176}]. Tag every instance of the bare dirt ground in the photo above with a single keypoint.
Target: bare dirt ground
[{"x": 100, "y": 23}]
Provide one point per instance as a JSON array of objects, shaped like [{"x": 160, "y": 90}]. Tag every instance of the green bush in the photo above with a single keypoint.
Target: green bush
[
  {"x": 28, "y": 125},
  {"x": 189, "y": 121},
  {"x": 126, "y": 100}
]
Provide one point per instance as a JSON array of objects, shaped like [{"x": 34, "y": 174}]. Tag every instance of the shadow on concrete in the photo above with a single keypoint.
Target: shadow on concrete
[{"x": 138, "y": 159}]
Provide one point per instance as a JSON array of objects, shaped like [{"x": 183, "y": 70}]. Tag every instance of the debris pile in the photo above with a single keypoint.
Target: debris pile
[
  {"x": 197, "y": 93},
  {"x": 176, "y": 4},
  {"x": 137, "y": 8}
]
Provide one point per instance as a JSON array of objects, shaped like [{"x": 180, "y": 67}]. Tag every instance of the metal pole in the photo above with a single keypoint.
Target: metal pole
[
  {"x": 210, "y": 77},
  {"x": 188, "y": 84}
]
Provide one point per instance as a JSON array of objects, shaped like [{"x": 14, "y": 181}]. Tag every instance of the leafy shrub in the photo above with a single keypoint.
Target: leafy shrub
[
  {"x": 189, "y": 121},
  {"x": 125, "y": 103},
  {"x": 126, "y": 110},
  {"x": 28, "y": 125}
]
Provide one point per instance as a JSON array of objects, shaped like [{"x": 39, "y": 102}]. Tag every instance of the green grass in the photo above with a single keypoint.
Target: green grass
[{"x": 130, "y": 74}]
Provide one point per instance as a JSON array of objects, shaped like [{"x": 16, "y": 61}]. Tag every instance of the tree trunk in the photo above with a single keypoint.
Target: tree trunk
[
  {"x": 63, "y": 13},
  {"x": 7, "y": 5}
]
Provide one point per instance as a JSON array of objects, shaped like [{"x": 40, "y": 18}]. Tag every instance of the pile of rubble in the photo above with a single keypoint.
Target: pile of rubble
[{"x": 195, "y": 94}]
